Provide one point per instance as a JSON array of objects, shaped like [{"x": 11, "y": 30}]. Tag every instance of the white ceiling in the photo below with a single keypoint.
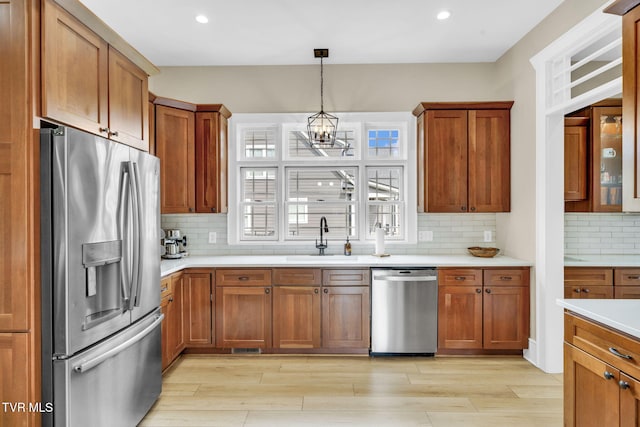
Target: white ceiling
[{"x": 279, "y": 32}]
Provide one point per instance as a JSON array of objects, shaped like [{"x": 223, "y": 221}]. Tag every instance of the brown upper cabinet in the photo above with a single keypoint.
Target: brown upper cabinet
[
  {"x": 593, "y": 158},
  {"x": 191, "y": 142},
  {"x": 630, "y": 99},
  {"x": 111, "y": 98},
  {"x": 463, "y": 156}
]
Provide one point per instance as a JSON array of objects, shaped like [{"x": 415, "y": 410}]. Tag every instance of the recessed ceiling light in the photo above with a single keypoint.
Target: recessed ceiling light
[
  {"x": 202, "y": 19},
  {"x": 442, "y": 15}
]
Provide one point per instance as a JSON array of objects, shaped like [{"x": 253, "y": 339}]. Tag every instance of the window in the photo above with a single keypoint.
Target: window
[{"x": 282, "y": 193}]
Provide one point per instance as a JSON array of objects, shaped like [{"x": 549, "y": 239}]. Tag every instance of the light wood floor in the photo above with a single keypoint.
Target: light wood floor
[{"x": 265, "y": 390}]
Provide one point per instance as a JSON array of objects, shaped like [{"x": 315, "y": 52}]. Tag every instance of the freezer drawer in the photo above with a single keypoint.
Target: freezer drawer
[{"x": 114, "y": 383}]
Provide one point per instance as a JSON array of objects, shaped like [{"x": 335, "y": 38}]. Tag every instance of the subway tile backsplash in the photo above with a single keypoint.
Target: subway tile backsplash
[
  {"x": 452, "y": 234},
  {"x": 601, "y": 233}
]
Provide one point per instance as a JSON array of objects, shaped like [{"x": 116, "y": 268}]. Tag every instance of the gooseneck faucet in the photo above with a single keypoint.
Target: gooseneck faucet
[{"x": 323, "y": 227}]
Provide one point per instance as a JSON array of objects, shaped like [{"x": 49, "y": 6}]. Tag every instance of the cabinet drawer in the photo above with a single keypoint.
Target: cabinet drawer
[
  {"x": 345, "y": 277},
  {"x": 626, "y": 277},
  {"x": 165, "y": 286},
  {"x": 603, "y": 343},
  {"x": 243, "y": 277},
  {"x": 460, "y": 277},
  {"x": 297, "y": 276},
  {"x": 626, "y": 292},
  {"x": 579, "y": 276},
  {"x": 506, "y": 277},
  {"x": 588, "y": 292}
]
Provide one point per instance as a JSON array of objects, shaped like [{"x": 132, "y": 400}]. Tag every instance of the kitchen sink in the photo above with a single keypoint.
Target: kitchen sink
[{"x": 321, "y": 258}]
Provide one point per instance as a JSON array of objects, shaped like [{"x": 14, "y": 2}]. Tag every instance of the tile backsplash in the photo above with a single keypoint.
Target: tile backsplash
[
  {"x": 452, "y": 234},
  {"x": 601, "y": 233}
]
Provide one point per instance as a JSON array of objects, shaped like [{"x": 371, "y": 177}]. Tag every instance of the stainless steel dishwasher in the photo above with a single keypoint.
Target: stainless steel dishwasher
[{"x": 404, "y": 311}]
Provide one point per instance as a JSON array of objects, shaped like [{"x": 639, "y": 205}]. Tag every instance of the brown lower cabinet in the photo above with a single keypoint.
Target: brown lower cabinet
[
  {"x": 171, "y": 305},
  {"x": 198, "y": 308},
  {"x": 483, "y": 309},
  {"x": 601, "y": 282},
  {"x": 345, "y": 317},
  {"x": 600, "y": 388}
]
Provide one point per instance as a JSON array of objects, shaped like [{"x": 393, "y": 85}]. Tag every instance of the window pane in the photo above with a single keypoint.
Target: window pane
[
  {"x": 322, "y": 185},
  {"x": 341, "y": 219},
  {"x": 384, "y": 184},
  {"x": 299, "y": 146},
  {"x": 383, "y": 143},
  {"x": 388, "y": 215},
  {"x": 259, "y": 221},
  {"x": 259, "y": 143},
  {"x": 258, "y": 185}
]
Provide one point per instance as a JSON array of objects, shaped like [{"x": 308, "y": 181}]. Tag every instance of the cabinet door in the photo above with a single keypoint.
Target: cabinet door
[
  {"x": 128, "y": 102},
  {"x": 164, "y": 327},
  {"x": 15, "y": 378},
  {"x": 607, "y": 159},
  {"x": 296, "y": 316},
  {"x": 489, "y": 161},
  {"x": 630, "y": 107},
  {"x": 421, "y": 166},
  {"x": 198, "y": 298},
  {"x": 243, "y": 317},
  {"x": 345, "y": 317},
  {"x": 74, "y": 72},
  {"x": 591, "y": 390},
  {"x": 506, "y": 317},
  {"x": 446, "y": 161},
  {"x": 175, "y": 148},
  {"x": 208, "y": 162},
  {"x": 575, "y": 163},
  {"x": 629, "y": 401},
  {"x": 175, "y": 324},
  {"x": 460, "y": 317}
]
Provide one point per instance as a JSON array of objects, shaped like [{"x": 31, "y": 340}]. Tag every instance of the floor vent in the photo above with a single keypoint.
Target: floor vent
[{"x": 245, "y": 351}]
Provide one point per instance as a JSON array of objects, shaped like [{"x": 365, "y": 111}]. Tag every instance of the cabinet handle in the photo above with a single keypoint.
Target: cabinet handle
[
  {"x": 488, "y": 291},
  {"x": 213, "y": 210},
  {"x": 585, "y": 290},
  {"x": 617, "y": 353},
  {"x": 325, "y": 290},
  {"x": 316, "y": 291},
  {"x": 164, "y": 289},
  {"x": 460, "y": 278},
  {"x": 267, "y": 291},
  {"x": 473, "y": 209},
  {"x": 170, "y": 299},
  {"x": 190, "y": 209},
  {"x": 633, "y": 277},
  {"x": 577, "y": 291},
  {"x": 463, "y": 208},
  {"x": 608, "y": 375},
  {"x": 478, "y": 291},
  {"x": 506, "y": 278},
  {"x": 105, "y": 130},
  {"x": 624, "y": 385},
  {"x": 243, "y": 278},
  {"x": 114, "y": 133}
]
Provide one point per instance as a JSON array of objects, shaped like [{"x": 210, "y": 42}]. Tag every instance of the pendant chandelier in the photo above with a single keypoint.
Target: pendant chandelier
[{"x": 321, "y": 127}]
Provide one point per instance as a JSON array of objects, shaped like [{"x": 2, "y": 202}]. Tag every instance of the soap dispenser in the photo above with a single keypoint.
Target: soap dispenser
[{"x": 347, "y": 247}]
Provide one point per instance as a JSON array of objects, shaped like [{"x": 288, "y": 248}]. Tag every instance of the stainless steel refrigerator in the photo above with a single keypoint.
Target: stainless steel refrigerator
[{"x": 101, "y": 363}]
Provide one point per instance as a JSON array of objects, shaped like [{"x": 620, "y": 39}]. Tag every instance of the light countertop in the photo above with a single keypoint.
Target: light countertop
[
  {"x": 620, "y": 314},
  {"x": 602, "y": 260},
  {"x": 244, "y": 261}
]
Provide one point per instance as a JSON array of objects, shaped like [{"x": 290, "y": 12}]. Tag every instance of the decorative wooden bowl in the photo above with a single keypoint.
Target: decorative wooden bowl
[{"x": 483, "y": 252}]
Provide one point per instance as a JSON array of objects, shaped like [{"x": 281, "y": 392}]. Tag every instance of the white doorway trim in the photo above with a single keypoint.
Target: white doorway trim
[{"x": 549, "y": 265}]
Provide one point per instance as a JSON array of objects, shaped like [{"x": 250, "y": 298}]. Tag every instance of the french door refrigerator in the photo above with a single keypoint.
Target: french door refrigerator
[{"x": 100, "y": 252}]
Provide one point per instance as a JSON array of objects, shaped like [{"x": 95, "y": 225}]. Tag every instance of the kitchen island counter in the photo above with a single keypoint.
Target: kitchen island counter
[
  {"x": 170, "y": 266},
  {"x": 619, "y": 314}
]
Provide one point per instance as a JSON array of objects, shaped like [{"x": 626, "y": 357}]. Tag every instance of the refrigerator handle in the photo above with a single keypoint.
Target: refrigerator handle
[
  {"x": 137, "y": 237},
  {"x": 92, "y": 363},
  {"x": 123, "y": 231}
]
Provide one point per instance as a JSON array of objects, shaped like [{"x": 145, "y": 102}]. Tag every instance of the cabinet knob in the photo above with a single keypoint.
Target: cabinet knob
[
  {"x": 478, "y": 291},
  {"x": 213, "y": 210},
  {"x": 325, "y": 290},
  {"x": 488, "y": 291},
  {"x": 267, "y": 291},
  {"x": 585, "y": 290},
  {"x": 113, "y": 133},
  {"x": 170, "y": 299},
  {"x": 608, "y": 375},
  {"x": 473, "y": 208},
  {"x": 624, "y": 385},
  {"x": 190, "y": 209},
  {"x": 463, "y": 208},
  {"x": 104, "y": 130},
  {"x": 316, "y": 291},
  {"x": 577, "y": 291},
  {"x": 615, "y": 351}
]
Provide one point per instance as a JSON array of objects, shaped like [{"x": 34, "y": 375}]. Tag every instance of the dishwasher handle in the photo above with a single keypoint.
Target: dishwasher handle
[{"x": 405, "y": 278}]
